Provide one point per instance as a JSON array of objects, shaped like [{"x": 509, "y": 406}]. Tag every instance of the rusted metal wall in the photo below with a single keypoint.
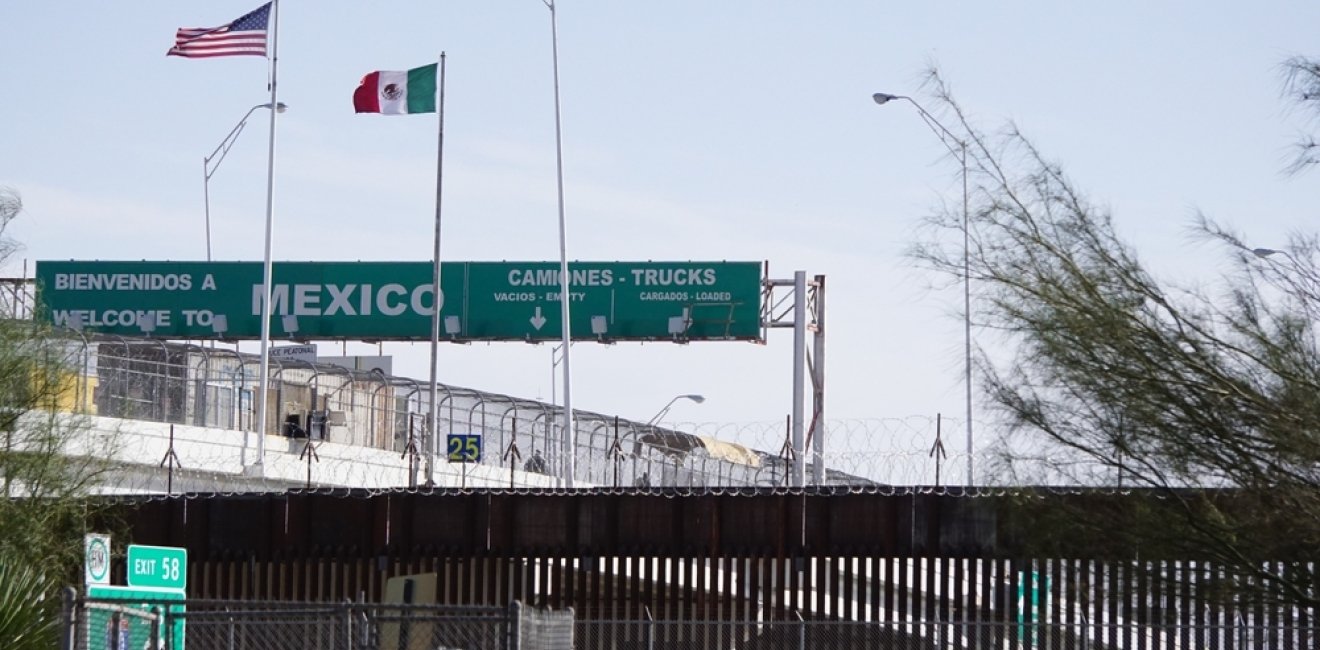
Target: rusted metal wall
[
  {"x": 522, "y": 524},
  {"x": 627, "y": 550},
  {"x": 737, "y": 556}
]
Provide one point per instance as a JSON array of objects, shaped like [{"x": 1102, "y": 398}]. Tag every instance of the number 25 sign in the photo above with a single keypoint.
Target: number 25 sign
[{"x": 464, "y": 447}]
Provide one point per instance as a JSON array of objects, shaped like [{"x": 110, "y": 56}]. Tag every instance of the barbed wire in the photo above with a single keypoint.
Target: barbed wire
[
  {"x": 666, "y": 492},
  {"x": 894, "y": 451},
  {"x": 202, "y": 460},
  {"x": 373, "y": 434}
]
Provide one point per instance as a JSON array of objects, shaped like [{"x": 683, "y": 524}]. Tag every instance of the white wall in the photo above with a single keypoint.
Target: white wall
[{"x": 215, "y": 459}]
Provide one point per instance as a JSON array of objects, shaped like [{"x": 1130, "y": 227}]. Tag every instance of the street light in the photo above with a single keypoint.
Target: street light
[
  {"x": 1304, "y": 280},
  {"x": 696, "y": 398},
  {"x": 958, "y": 147},
  {"x": 650, "y": 427},
  {"x": 218, "y": 155},
  {"x": 1266, "y": 252}
]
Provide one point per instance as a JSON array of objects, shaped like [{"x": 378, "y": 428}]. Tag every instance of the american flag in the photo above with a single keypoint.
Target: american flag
[{"x": 245, "y": 36}]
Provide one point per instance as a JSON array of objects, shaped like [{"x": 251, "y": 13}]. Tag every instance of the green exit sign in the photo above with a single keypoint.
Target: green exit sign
[{"x": 157, "y": 566}]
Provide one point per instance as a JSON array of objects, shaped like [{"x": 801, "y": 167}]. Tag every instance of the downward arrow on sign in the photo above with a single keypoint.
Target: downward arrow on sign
[{"x": 538, "y": 320}]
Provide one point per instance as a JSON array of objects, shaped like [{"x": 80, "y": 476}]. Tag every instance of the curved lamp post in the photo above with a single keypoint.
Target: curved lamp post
[
  {"x": 958, "y": 147},
  {"x": 218, "y": 155},
  {"x": 656, "y": 419},
  {"x": 651, "y": 423}
]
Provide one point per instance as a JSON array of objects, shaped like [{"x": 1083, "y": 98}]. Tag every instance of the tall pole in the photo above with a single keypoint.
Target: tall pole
[
  {"x": 433, "y": 448},
  {"x": 570, "y": 434},
  {"x": 967, "y": 310},
  {"x": 206, "y": 198},
  {"x": 798, "y": 471},
  {"x": 554, "y": 372},
  {"x": 264, "y": 367},
  {"x": 949, "y": 140},
  {"x": 817, "y": 370}
]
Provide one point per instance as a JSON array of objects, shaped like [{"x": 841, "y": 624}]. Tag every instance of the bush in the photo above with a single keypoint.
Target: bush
[{"x": 29, "y": 607}]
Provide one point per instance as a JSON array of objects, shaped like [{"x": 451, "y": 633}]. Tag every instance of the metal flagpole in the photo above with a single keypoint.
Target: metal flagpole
[
  {"x": 570, "y": 435},
  {"x": 206, "y": 201},
  {"x": 967, "y": 313},
  {"x": 433, "y": 449},
  {"x": 263, "y": 381}
]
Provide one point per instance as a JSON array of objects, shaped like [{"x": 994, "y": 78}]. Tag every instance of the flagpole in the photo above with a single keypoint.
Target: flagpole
[
  {"x": 570, "y": 435},
  {"x": 263, "y": 381},
  {"x": 434, "y": 447}
]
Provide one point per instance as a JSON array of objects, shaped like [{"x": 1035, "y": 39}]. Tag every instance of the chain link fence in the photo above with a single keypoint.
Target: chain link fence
[
  {"x": 145, "y": 624},
  {"x": 115, "y": 626},
  {"x": 228, "y": 625}
]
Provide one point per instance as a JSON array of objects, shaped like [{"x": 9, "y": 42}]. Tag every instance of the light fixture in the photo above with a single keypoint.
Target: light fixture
[
  {"x": 678, "y": 326},
  {"x": 453, "y": 326},
  {"x": 290, "y": 323},
  {"x": 219, "y": 324},
  {"x": 599, "y": 326},
  {"x": 147, "y": 323}
]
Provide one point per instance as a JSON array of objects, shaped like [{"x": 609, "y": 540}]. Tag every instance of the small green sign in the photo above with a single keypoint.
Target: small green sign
[
  {"x": 164, "y": 567},
  {"x": 134, "y": 632},
  {"x": 479, "y": 301}
]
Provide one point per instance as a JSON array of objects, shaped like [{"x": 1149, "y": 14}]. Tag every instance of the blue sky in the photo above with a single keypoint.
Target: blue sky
[{"x": 692, "y": 130}]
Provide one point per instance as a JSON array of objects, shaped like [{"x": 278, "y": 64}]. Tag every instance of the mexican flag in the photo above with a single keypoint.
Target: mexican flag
[{"x": 397, "y": 92}]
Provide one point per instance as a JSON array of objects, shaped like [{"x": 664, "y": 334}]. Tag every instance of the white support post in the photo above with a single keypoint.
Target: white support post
[
  {"x": 818, "y": 385},
  {"x": 798, "y": 471}
]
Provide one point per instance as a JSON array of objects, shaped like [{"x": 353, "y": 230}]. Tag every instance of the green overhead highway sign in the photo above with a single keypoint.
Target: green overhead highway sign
[{"x": 492, "y": 301}]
